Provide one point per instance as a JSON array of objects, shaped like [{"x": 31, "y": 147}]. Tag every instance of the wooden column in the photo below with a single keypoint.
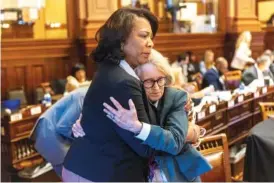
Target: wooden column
[
  {"x": 222, "y": 15},
  {"x": 242, "y": 16},
  {"x": 73, "y": 21}
]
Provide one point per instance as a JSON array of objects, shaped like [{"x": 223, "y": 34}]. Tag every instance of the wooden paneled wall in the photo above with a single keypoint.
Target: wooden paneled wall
[
  {"x": 171, "y": 45},
  {"x": 269, "y": 38},
  {"x": 28, "y": 63}
]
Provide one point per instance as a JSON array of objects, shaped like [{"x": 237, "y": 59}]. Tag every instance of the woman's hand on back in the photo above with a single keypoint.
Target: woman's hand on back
[
  {"x": 77, "y": 129},
  {"x": 126, "y": 119}
]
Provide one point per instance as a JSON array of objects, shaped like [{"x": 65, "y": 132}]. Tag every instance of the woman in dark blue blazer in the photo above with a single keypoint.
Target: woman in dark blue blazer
[
  {"x": 181, "y": 162},
  {"x": 108, "y": 153}
]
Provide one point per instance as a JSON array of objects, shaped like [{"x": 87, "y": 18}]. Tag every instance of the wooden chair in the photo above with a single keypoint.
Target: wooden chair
[
  {"x": 215, "y": 150},
  {"x": 267, "y": 109},
  {"x": 233, "y": 79}
]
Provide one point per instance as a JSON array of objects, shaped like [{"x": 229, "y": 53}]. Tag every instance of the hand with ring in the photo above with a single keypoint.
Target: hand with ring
[{"x": 126, "y": 119}]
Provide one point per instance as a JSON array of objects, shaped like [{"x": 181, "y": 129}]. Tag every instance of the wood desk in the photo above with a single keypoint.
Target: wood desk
[
  {"x": 236, "y": 118},
  {"x": 18, "y": 150}
]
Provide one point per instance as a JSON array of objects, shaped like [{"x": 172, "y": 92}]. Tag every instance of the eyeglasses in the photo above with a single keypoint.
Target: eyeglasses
[{"x": 149, "y": 83}]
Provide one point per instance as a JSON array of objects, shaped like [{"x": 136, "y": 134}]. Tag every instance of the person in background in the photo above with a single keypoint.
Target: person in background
[
  {"x": 270, "y": 54},
  {"x": 182, "y": 64},
  {"x": 77, "y": 78},
  {"x": 208, "y": 61},
  {"x": 214, "y": 76},
  {"x": 270, "y": 71},
  {"x": 194, "y": 73},
  {"x": 52, "y": 131},
  {"x": 72, "y": 84},
  {"x": 192, "y": 88},
  {"x": 169, "y": 103},
  {"x": 79, "y": 72},
  {"x": 242, "y": 56},
  {"x": 257, "y": 71},
  {"x": 178, "y": 77}
]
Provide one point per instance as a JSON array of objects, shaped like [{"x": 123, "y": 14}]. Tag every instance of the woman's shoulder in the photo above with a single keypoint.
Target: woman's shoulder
[
  {"x": 176, "y": 93},
  {"x": 114, "y": 78},
  {"x": 112, "y": 72}
]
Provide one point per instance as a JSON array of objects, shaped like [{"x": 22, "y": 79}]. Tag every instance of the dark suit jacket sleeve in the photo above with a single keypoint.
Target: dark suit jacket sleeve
[
  {"x": 171, "y": 138},
  {"x": 212, "y": 80},
  {"x": 132, "y": 90},
  {"x": 248, "y": 77}
]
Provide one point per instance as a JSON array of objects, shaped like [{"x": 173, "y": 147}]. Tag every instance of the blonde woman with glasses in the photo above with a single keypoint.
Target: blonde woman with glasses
[
  {"x": 181, "y": 161},
  {"x": 173, "y": 135}
]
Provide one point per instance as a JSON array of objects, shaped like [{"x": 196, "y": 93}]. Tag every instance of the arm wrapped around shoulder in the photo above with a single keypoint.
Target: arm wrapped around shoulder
[{"x": 172, "y": 137}]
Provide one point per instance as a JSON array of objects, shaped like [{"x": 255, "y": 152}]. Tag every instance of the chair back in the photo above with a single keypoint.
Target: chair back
[
  {"x": 18, "y": 93},
  {"x": 215, "y": 150},
  {"x": 267, "y": 109},
  {"x": 233, "y": 79}
]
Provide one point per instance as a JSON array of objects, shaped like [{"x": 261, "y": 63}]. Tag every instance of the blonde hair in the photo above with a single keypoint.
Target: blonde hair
[
  {"x": 178, "y": 77},
  {"x": 243, "y": 39},
  {"x": 209, "y": 62},
  {"x": 161, "y": 63},
  {"x": 72, "y": 83}
]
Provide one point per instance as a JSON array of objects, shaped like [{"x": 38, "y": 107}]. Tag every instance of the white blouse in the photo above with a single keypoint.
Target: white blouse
[{"x": 242, "y": 56}]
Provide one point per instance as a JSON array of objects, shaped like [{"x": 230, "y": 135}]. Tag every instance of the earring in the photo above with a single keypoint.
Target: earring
[{"x": 122, "y": 46}]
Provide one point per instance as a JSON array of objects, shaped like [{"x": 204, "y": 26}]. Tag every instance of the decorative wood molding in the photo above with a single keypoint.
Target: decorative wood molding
[
  {"x": 28, "y": 63},
  {"x": 17, "y": 31},
  {"x": 242, "y": 16},
  {"x": 101, "y": 10},
  {"x": 263, "y": 0}
]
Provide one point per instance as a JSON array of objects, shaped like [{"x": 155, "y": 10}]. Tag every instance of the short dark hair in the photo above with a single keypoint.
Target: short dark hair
[
  {"x": 76, "y": 68},
  {"x": 116, "y": 30},
  {"x": 189, "y": 53},
  {"x": 182, "y": 56}
]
